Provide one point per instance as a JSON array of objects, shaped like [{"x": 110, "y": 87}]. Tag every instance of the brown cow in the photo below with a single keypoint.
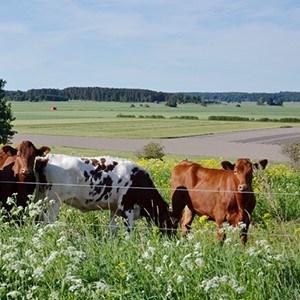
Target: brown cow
[
  {"x": 16, "y": 172},
  {"x": 221, "y": 194}
]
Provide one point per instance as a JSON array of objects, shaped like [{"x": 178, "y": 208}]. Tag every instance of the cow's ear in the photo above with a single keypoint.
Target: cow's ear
[
  {"x": 9, "y": 150},
  {"x": 261, "y": 164},
  {"x": 43, "y": 151},
  {"x": 226, "y": 165}
]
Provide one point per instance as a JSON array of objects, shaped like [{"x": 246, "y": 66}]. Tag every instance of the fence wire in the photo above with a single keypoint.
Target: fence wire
[{"x": 87, "y": 185}]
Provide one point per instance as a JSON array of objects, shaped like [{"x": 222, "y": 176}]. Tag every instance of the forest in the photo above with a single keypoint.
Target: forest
[{"x": 144, "y": 95}]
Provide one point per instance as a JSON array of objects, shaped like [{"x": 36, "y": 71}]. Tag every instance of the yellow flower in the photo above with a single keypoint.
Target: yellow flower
[
  {"x": 203, "y": 219},
  {"x": 297, "y": 231}
]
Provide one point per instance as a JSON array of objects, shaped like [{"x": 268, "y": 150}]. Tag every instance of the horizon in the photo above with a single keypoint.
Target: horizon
[
  {"x": 178, "y": 92},
  {"x": 170, "y": 46}
]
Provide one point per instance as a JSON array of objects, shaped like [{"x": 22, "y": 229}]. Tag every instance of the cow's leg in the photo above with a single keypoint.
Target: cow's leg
[
  {"x": 131, "y": 215},
  {"x": 179, "y": 201},
  {"x": 246, "y": 221},
  {"x": 220, "y": 234},
  {"x": 113, "y": 223},
  {"x": 51, "y": 212},
  {"x": 187, "y": 219}
]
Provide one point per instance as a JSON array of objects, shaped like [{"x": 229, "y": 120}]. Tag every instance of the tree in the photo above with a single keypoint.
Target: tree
[
  {"x": 261, "y": 101},
  {"x": 6, "y": 117}
]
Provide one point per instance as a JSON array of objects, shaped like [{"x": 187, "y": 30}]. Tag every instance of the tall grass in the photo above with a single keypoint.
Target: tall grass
[{"x": 76, "y": 258}]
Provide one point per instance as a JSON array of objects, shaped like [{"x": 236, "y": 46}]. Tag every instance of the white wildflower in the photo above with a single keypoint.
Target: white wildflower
[
  {"x": 180, "y": 278},
  {"x": 197, "y": 246},
  {"x": 13, "y": 294},
  {"x": 261, "y": 243},
  {"x": 151, "y": 250},
  {"x": 61, "y": 240},
  {"x": 10, "y": 201},
  {"x": 51, "y": 258},
  {"x": 199, "y": 261},
  {"x": 228, "y": 241},
  {"x": 100, "y": 285},
  {"x": 169, "y": 290},
  {"x": 187, "y": 256},
  {"x": 240, "y": 289},
  {"x": 38, "y": 273},
  {"x": 242, "y": 225},
  {"x": 165, "y": 258},
  {"x": 191, "y": 236}
]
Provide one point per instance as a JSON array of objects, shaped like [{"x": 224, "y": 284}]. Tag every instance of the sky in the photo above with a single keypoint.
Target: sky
[{"x": 161, "y": 45}]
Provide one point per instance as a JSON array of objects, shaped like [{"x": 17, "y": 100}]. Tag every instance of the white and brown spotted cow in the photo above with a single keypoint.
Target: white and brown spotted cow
[{"x": 99, "y": 183}]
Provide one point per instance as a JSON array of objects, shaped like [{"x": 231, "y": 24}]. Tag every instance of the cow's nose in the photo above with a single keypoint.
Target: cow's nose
[
  {"x": 243, "y": 187},
  {"x": 26, "y": 171}
]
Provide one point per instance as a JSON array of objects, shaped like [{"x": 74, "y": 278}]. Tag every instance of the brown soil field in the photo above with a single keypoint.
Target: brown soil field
[{"x": 254, "y": 144}]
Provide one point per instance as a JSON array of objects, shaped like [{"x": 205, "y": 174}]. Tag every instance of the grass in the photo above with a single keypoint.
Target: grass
[
  {"x": 76, "y": 258},
  {"x": 99, "y": 119}
]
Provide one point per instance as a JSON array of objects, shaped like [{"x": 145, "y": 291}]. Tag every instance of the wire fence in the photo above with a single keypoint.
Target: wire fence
[
  {"x": 94, "y": 185},
  {"x": 283, "y": 233}
]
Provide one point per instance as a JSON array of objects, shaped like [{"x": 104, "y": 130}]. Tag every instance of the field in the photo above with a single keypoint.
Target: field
[
  {"x": 99, "y": 119},
  {"x": 76, "y": 258}
]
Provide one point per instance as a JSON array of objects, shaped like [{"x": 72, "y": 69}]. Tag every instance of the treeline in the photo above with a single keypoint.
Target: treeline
[
  {"x": 142, "y": 95},
  {"x": 239, "y": 96},
  {"x": 91, "y": 93}
]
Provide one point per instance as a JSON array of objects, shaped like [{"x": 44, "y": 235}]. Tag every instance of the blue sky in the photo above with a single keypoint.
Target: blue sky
[{"x": 162, "y": 45}]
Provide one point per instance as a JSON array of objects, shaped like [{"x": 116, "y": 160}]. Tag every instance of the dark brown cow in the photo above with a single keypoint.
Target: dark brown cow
[
  {"x": 221, "y": 194},
  {"x": 16, "y": 172}
]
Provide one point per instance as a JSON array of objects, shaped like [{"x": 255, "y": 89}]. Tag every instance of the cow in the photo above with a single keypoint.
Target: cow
[
  {"x": 100, "y": 183},
  {"x": 17, "y": 172},
  {"x": 220, "y": 194}
]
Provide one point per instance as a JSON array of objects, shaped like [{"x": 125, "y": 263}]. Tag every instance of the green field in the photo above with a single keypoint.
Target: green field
[
  {"x": 76, "y": 258},
  {"x": 99, "y": 119}
]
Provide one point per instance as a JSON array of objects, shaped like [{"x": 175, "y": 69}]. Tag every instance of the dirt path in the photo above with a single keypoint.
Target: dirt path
[{"x": 255, "y": 144}]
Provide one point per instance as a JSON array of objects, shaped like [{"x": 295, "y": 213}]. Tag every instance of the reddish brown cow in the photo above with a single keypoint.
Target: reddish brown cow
[
  {"x": 221, "y": 194},
  {"x": 16, "y": 172}
]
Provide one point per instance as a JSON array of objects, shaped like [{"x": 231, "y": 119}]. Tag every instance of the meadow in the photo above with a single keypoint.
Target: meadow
[
  {"x": 76, "y": 257},
  {"x": 99, "y": 119}
]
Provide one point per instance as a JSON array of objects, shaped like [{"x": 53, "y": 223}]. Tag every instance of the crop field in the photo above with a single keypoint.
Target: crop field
[
  {"x": 102, "y": 119},
  {"x": 76, "y": 258}
]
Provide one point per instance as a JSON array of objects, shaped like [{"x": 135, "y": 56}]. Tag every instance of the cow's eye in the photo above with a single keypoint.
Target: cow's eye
[{"x": 235, "y": 171}]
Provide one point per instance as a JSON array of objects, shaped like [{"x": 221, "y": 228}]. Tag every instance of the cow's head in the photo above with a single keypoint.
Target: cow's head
[
  {"x": 25, "y": 155},
  {"x": 243, "y": 171}
]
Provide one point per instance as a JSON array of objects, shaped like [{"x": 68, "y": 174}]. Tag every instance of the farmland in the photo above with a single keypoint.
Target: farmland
[
  {"x": 99, "y": 119},
  {"x": 76, "y": 258}
]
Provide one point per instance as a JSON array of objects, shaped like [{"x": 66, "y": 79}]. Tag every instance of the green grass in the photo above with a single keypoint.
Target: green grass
[
  {"x": 99, "y": 119},
  {"x": 76, "y": 258}
]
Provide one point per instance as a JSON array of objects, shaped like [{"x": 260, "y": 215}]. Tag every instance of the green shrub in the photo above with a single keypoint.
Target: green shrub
[
  {"x": 227, "y": 118},
  {"x": 185, "y": 117},
  {"x": 151, "y": 150},
  {"x": 292, "y": 151}
]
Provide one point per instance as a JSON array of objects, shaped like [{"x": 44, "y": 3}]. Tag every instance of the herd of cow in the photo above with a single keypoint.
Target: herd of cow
[{"x": 127, "y": 190}]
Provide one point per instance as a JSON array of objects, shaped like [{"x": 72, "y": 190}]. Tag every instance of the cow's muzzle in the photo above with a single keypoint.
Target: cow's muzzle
[
  {"x": 26, "y": 172},
  {"x": 243, "y": 188}
]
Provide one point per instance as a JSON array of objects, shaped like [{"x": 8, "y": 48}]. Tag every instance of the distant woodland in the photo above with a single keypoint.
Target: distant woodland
[{"x": 142, "y": 95}]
